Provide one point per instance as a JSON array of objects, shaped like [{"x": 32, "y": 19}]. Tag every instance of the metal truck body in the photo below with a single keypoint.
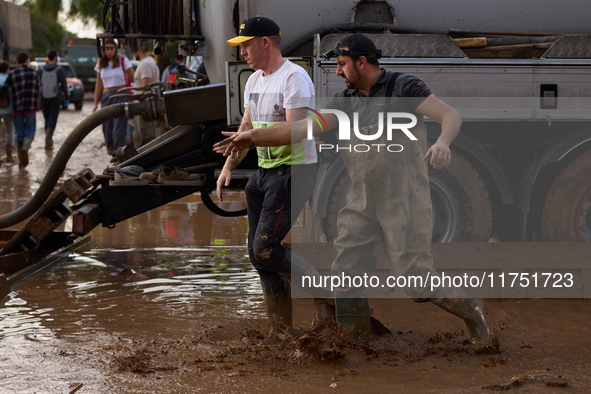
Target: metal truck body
[
  {"x": 16, "y": 31},
  {"x": 219, "y": 20},
  {"x": 526, "y": 129}
]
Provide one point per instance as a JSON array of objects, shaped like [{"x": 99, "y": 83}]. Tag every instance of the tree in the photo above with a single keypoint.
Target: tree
[
  {"x": 45, "y": 31},
  {"x": 88, "y": 10},
  {"x": 49, "y": 8}
]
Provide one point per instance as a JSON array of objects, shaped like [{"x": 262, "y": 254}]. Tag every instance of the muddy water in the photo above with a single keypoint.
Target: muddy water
[
  {"x": 167, "y": 302},
  {"x": 53, "y": 321},
  {"x": 167, "y": 268}
]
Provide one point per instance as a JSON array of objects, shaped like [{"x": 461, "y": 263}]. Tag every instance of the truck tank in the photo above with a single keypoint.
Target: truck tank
[
  {"x": 219, "y": 21},
  {"x": 216, "y": 21},
  {"x": 514, "y": 179},
  {"x": 15, "y": 28}
]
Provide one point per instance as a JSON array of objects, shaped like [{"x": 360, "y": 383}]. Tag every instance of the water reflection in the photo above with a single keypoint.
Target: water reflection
[
  {"x": 134, "y": 290},
  {"x": 147, "y": 270},
  {"x": 163, "y": 271},
  {"x": 185, "y": 222}
]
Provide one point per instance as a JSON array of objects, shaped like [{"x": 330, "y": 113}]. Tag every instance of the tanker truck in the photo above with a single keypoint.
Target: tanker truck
[
  {"x": 519, "y": 163},
  {"x": 15, "y": 31},
  {"x": 518, "y": 73}
]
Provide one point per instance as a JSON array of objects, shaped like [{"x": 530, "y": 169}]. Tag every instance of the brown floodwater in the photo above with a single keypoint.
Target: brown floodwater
[{"x": 167, "y": 302}]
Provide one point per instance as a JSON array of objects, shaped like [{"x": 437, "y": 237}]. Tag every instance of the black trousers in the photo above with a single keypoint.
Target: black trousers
[
  {"x": 51, "y": 110},
  {"x": 275, "y": 197}
]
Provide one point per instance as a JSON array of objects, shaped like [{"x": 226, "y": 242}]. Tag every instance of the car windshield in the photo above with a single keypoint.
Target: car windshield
[
  {"x": 68, "y": 70},
  {"x": 81, "y": 54}
]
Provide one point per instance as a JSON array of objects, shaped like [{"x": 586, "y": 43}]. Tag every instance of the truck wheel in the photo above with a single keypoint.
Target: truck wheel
[
  {"x": 462, "y": 210},
  {"x": 79, "y": 105},
  {"x": 566, "y": 215}
]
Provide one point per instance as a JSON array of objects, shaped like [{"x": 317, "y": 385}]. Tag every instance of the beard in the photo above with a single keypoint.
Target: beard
[{"x": 355, "y": 76}]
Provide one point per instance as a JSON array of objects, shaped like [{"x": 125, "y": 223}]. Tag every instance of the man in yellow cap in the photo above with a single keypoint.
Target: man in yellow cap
[{"x": 278, "y": 91}]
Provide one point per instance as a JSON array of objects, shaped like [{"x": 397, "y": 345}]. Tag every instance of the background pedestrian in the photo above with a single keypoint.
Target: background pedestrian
[
  {"x": 6, "y": 111},
  {"x": 53, "y": 79},
  {"x": 113, "y": 72},
  {"x": 24, "y": 82}
]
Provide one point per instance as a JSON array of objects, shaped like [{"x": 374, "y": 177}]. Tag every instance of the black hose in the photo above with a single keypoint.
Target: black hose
[
  {"x": 63, "y": 155},
  {"x": 208, "y": 202}
]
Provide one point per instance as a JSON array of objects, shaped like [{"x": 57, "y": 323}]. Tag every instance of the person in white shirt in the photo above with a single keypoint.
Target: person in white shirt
[
  {"x": 113, "y": 72},
  {"x": 279, "y": 91},
  {"x": 146, "y": 73}
]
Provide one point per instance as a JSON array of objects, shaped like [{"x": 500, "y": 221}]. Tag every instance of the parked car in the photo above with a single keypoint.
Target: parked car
[
  {"x": 75, "y": 87},
  {"x": 83, "y": 58}
]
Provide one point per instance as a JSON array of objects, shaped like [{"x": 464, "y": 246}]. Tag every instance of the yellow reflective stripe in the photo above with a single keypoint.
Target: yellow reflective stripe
[{"x": 275, "y": 156}]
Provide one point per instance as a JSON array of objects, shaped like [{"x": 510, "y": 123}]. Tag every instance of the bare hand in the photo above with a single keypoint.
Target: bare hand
[
  {"x": 94, "y": 108},
  {"x": 223, "y": 180},
  {"x": 440, "y": 155},
  {"x": 234, "y": 144}
]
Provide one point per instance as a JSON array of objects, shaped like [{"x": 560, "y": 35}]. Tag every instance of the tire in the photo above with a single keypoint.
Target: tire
[
  {"x": 79, "y": 105},
  {"x": 566, "y": 213},
  {"x": 462, "y": 210}
]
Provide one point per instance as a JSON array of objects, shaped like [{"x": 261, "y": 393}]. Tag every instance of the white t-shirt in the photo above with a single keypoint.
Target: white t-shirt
[
  {"x": 113, "y": 77},
  {"x": 147, "y": 69},
  {"x": 267, "y": 97}
]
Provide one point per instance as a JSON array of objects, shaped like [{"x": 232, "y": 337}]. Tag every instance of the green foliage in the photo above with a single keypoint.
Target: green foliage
[
  {"x": 46, "y": 32},
  {"x": 49, "y": 8},
  {"x": 88, "y": 10}
]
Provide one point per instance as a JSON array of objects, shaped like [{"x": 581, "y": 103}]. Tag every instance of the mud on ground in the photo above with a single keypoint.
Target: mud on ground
[
  {"x": 53, "y": 341},
  {"x": 427, "y": 351}
]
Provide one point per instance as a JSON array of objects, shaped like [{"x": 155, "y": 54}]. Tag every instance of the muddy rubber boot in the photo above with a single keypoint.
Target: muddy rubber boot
[
  {"x": 9, "y": 158},
  {"x": 277, "y": 296},
  {"x": 324, "y": 313},
  {"x": 24, "y": 153},
  {"x": 474, "y": 314},
  {"x": 353, "y": 319},
  {"x": 48, "y": 139}
]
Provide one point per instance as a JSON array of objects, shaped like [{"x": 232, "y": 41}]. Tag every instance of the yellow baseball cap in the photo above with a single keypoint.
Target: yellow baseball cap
[{"x": 257, "y": 26}]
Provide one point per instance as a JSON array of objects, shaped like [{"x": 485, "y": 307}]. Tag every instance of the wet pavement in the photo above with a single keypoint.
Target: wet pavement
[{"x": 168, "y": 302}]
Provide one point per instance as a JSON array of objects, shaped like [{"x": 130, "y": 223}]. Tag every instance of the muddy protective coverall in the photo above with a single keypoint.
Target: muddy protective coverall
[{"x": 390, "y": 202}]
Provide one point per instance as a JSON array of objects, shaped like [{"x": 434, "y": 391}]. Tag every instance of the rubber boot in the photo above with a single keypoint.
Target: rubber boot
[
  {"x": 9, "y": 158},
  {"x": 277, "y": 296},
  {"x": 474, "y": 314},
  {"x": 48, "y": 139},
  {"x": 353, "y": 319},
  {"x": 324, "y": 313},
  {"x": 24, "y": 152}
]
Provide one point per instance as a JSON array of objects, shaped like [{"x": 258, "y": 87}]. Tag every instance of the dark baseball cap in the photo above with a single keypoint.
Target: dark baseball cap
[{"x": 256, "y": 26}]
